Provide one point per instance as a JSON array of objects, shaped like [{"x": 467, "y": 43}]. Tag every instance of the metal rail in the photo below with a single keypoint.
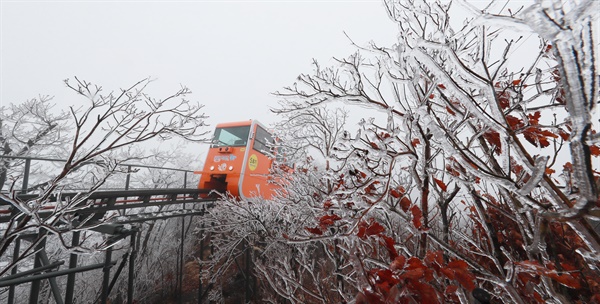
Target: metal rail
[
  {"x": 93, "y": 207},
  {"x": 100, "y": 202},
  {"x": 28, "y": 159}
]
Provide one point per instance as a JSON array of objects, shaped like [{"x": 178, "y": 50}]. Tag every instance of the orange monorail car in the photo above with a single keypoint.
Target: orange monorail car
[{"x": 239, "y": 161}]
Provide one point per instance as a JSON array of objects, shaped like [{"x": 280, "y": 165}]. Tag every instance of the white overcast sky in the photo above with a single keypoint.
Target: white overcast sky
[{"x": 231, "y": 54}]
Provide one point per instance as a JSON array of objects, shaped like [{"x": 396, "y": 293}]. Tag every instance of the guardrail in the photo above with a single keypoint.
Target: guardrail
[{"x": 130, "y": 167}]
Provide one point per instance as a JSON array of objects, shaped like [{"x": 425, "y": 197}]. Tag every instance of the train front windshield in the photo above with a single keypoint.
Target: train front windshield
[{"x": 231, "y": 137}]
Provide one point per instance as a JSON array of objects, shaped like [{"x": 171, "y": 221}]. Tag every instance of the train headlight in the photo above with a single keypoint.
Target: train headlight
[
  {"x": 230, "y": 168},
  {"x": 212, "y": 168}
]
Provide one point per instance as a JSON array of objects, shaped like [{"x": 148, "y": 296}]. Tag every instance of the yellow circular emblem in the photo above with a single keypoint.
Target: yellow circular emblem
[{"x": 253, "y": 162}]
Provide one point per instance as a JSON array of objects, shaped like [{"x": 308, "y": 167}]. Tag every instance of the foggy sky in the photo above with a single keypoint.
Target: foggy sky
[{"x": 231, "y": 54}]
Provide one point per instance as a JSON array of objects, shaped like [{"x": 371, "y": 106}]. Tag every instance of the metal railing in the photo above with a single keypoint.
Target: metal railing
[
  {"x": 130, "y": 170},
  {"x": 100, "y": 202}
]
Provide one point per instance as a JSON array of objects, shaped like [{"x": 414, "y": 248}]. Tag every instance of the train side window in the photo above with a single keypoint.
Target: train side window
[
  {"x": 231, "y": 137},
  {"x": 263, "y": 141}
]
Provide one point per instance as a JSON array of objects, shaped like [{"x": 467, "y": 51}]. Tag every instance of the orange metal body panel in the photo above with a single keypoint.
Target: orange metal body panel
[{"x": 240, "y": 170}]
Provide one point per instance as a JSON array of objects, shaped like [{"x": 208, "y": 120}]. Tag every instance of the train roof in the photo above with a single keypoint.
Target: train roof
[
  {"x": 234, "y": 124},
  {"x": 248, "y": 122}
]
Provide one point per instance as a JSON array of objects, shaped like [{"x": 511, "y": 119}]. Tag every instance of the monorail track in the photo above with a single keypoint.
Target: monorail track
[
  {"x": 99, "y": 203},
  {"x": 103, "y": 212}
]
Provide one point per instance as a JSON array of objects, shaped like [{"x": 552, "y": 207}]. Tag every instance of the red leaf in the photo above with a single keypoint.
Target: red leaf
[
  {"x": 415, "y": 142},
  {"x": 504, "y": 100},
  {"x": 385, "y": 279},
  {"x": 398, "y": 263},
  {"x": 516, "y": 81},
  {"x": 426, "y": 292},
  {"x": 395, "y": 193},
  {"x": 451, "y": 289},
  {"x": 405, "y": 204},
  {"x": 549, "y": 171},
  {"x": 441, "y": 86},
  {"x": 458, "y": 264},
  {"x": 566, "y": 279},
  {"x": 440, "y": 184},
  {"x": 458, "y": 270},
  {"x": 517, "y": 169},
  {"x": 434, "y": 257},
  {"x": 367, "y": 297},
  {"x": 514, "y": 122},
  {"x": 431, "y": 96},
  {"x": 285, "y": 236},
  {"x": 415, "y": 269},
  {"x": 450, "y": 111},
  {"x": 389, "y": 245},
  {"x": 536, "y": 135},
  {"x": 327, "y": 205},
  {"x": 452, "y": 171},
  {"x": 465, "y": 278},
  {"x": 538, "y": 297},
  {"x": 449, "y": 273},
  {"x": 493, "y": 138},
  {"x": 374, "y": 145},
  {"x": 328, "y": 220},
  {"x": 374, "y": 228},
  {"x": 362, "y": 229},
  {"x": 535, "y": 118},
  {"x": 563, "y": 134},
  {"x": 417, "y": 214},
  {"x": 595, "y": 151},
  {"x": 315, "y": 230}
]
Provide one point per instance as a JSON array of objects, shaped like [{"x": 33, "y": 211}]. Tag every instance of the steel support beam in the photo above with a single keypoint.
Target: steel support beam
[
  {"x": 128, "y": 178},
  {"x": 180, "y": 279},
  {"x": 131, "y": 276},
  {"x": 35, "y": 284},
  {"x": 72, "y": 264},
  {"x": 11, "y": 290},
  {"x": 52, "y": 274},
  {"x": 25, "y": 185},
  {"x": 106, "y": 279},
  {"x": 53, "y": 286},
  {"x": 200, "y": 295},
  {"x": 31, "y": 271}
]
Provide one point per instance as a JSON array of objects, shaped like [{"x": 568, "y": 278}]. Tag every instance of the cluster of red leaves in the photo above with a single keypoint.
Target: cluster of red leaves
[
  {"x": 568, "y": 267},
  {"x": 534, "y": 134},
  {"x": 412, "y": 279},
  {"x": 372, "y": 187},
  {"x": 369, "y": 228},
  {"x": 493, "y": 138},
  {"x": 531, "y": 271},
  {"x": 417, "y": 216},
  {"x": 399, "y": 193},
  {"x": 531, "y": 129},
  {"x": 407, "y": 280},
  {"x": 559, "y": 95},
  {"x": 503, "y": 98},
  {"x": 507, "y": 231},
  {"x": 324, "y": 222},
  {"x": 454, "y": 169},
  {"x": 454, "y": 103}
]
